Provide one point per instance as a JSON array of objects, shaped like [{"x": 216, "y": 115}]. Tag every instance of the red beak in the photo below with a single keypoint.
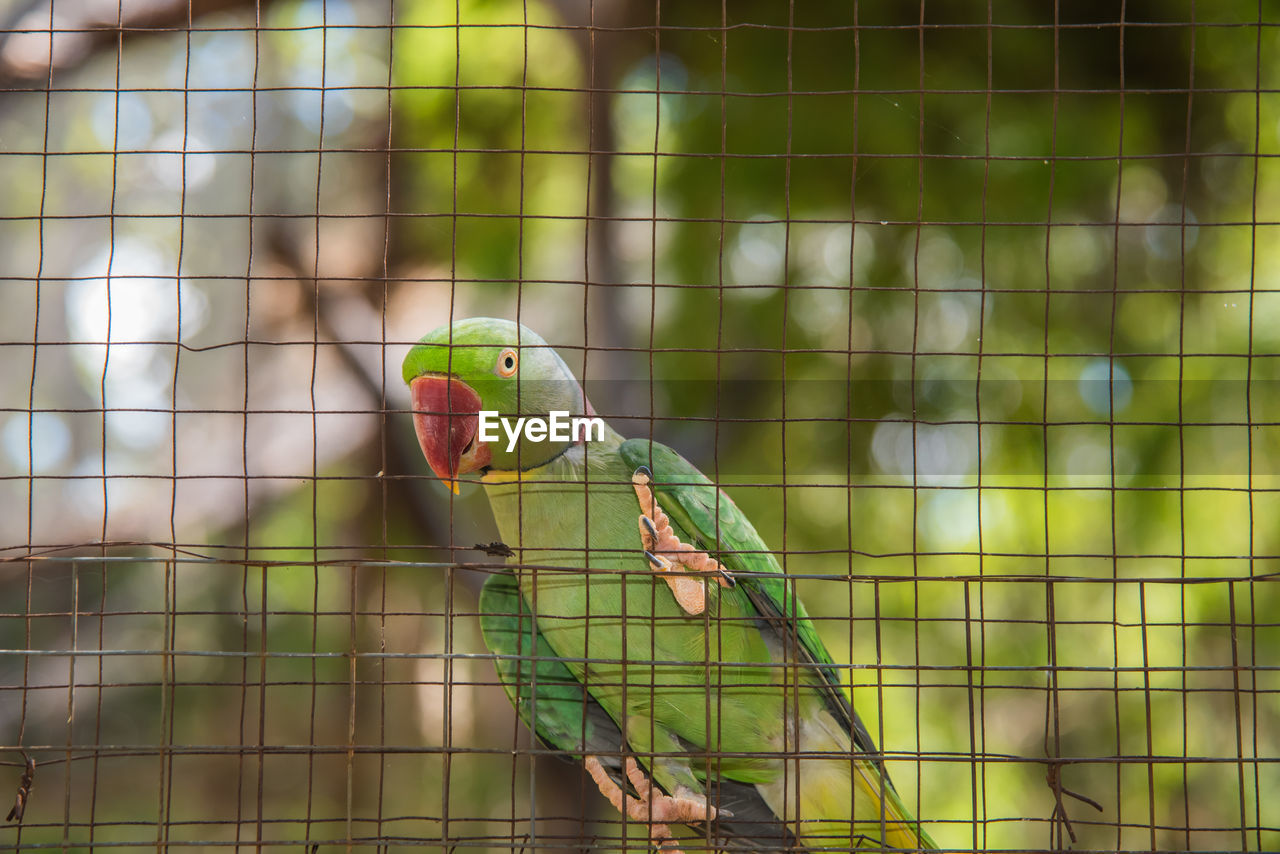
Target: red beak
[{"x": 445, "y": 417}]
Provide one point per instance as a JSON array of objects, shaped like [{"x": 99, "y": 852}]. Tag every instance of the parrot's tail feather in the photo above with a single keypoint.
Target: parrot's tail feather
[{"x": 900, "y": 829}]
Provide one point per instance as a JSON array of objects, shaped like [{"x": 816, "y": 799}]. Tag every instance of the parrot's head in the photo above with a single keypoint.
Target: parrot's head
[{"x": 483, "y": 365}]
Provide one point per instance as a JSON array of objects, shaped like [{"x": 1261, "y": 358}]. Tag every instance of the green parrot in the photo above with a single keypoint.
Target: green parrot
[{"x": 656, "y": 594}]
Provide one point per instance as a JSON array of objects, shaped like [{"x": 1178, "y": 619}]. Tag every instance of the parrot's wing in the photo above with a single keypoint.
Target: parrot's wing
[
  {"x": 566, "y": 718},
  {"x": 546, "y": 696},
  {"x": 695, "y": 504}
]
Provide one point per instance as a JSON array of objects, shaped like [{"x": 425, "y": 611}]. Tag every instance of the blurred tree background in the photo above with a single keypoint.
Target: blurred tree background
[{"x": 971, "y": 306}]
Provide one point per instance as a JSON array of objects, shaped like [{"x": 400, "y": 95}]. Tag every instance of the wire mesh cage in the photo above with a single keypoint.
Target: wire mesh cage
[{"x": 969, "y": 308}]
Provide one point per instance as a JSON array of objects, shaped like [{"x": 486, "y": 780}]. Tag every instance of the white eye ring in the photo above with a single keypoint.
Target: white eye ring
[{"x": 508, "y": 361}]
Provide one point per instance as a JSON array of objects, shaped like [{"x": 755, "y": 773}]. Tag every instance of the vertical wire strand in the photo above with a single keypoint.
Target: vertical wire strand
[
  {"x": 246, "y": 524},
  {"x": 790, "y": 641},
  {"x": 317, "y": 308},
  {"x": 977, "y": 705},
  {"x": 721, "y": 163},
  {"x": 601, "y": 177},
  {"x": 1182, "y": 449},
  {"x": 71, "y": 702},
  {"x": 1249, "y": 389},
  {"x": 1146, "y": 702},
  {"x": 849, "y": 448},
  {"x": 41, "y": 254},
  {"x": 28, "y": 565},
  {"x": 520, "y": 252},
  {"x": 169, "y": 675},
  {"x": 97, "y": 723},
  {"x": 916, "y": 551},
  {"x": 1111, "y": 425},
  {"x": 102, "y": 390},
  {"x": 446, "y": 756},
  {"x": 1238, "y": 708},
  {"x": 650, "y": 654},
  {"x": 384, "y": 504},
  {"x": 1052, "y": 729},
  {"x": 259, "y": 817}
]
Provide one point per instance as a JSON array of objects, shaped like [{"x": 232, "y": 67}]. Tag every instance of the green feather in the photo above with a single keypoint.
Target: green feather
[{"x": 546, "y": 696}]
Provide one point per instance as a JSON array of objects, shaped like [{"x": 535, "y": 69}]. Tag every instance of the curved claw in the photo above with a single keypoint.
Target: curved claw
[
  {"x": 644, "y": 470},
  {"x": 729, "y": 579},
  {"x": 659, "y": 563},
  {"x": 652, "y": 529}
]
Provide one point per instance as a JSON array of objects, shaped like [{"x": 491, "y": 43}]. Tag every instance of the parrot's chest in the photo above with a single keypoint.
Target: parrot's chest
[
  {"x": 581, "y": 559},
  {"x": 583, "y": 570},
  {"x": 617, "y": 626}
]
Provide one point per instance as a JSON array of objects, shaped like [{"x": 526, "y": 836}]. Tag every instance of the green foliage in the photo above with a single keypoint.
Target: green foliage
[{"x": 488, "y": 136}]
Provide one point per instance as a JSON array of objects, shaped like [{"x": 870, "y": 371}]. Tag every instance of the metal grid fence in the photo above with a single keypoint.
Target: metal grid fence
[{"x": 969, "y": 306}]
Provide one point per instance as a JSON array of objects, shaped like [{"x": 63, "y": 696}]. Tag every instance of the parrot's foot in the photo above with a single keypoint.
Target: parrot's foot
[
  {"x": 651, "y": 806},
  {"x": 665, "y": 551}
]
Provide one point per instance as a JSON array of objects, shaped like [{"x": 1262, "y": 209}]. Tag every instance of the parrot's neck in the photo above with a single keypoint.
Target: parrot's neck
[
  {"x": 543, "y": 508},
  {"x": 568, "y": 465}
]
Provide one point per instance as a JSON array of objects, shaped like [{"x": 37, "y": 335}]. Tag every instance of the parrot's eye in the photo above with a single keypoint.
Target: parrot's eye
[{"x": 507, "y": 361}]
